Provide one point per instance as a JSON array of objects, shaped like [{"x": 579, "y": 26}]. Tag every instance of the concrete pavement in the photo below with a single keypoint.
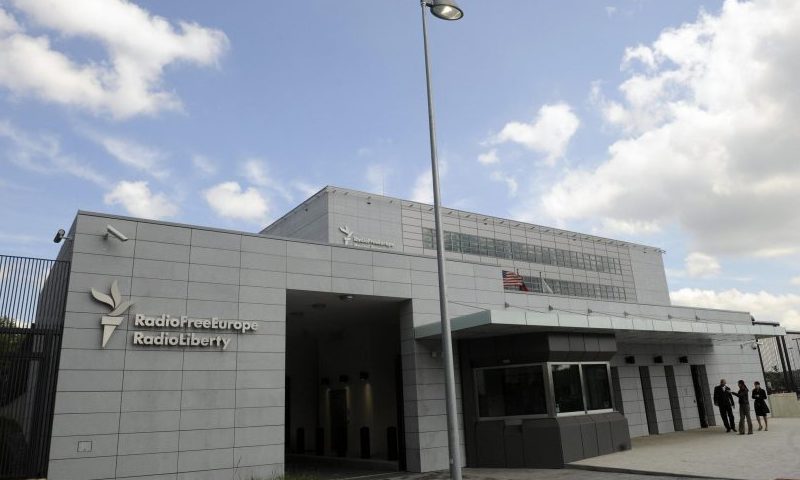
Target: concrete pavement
[{"x": 711, "y": 452}]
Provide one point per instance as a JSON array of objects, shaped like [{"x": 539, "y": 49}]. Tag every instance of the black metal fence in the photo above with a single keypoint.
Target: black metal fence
[
  {"x": 781, "y": 363},
  {"x": 33, "y": 294},
  {"x": 792, "y": 340}
]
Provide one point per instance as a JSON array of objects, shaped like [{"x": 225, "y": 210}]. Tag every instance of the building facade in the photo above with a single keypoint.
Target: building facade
[{"x": 194, "y": 352}]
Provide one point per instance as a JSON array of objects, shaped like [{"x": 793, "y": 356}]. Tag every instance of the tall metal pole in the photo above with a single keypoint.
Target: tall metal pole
[{"x": 447, "y": 342}]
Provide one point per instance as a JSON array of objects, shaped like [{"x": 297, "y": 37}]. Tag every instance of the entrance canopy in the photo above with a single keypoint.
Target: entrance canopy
[{"x": 631, "y": 328}]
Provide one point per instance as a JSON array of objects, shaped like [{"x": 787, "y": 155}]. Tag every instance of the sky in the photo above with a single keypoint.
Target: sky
[{"x": 674, "y": 124}]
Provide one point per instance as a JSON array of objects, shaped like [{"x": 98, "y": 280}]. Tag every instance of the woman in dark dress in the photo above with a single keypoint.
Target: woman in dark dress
[{"x": 760, "y": 405}]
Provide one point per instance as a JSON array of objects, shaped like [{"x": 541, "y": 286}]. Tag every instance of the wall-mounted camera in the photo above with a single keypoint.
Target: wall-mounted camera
[{"x": 115, "y": 233}]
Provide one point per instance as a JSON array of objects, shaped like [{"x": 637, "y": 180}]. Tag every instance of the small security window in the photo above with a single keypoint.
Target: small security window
[
  {"x": 567, "y": 388},
  {"x": 596, "y": 386},
  {"x": 511, "y": 391}
]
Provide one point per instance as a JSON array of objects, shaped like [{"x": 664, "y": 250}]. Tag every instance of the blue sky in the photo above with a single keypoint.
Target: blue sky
[{"x": 667, "y": 123}]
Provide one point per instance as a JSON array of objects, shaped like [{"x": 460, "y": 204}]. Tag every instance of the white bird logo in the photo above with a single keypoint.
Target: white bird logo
[
  {"x": 111, "y": 321},
  {"x": 348, "y": 234}
]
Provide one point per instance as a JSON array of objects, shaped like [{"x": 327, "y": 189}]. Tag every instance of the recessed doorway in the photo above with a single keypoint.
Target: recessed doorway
[{"x": 344, "y": 391}]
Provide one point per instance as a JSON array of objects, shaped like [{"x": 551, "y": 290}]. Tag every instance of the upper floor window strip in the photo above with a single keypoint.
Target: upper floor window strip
[{"x": 496, "y": 248}]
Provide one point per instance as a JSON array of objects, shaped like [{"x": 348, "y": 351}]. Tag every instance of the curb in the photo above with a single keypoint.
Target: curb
[{"x": 594, "y": 468}]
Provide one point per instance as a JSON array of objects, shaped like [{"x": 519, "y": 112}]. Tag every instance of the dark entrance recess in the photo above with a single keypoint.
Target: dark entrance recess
[
  {"x": 649, "y": 402},
  {"x": 674, "y": 399},
  {"x": 702, "y": 396},
  {"x": 32, "y": 300},
  {"x": 344, "y": 384}
]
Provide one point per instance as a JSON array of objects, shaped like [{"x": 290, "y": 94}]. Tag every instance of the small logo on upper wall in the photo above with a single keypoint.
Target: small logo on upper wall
[
  {"x": 350, "y": 238},
  {"x": 348, "y": 235},
  {"x": 111, "y": 321}
]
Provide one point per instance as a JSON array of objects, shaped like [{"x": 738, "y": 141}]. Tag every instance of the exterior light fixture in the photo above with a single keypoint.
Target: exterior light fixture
[
  {"x": 344, "y": 378},
  {"x": 61, "y": 235},
  {"x": 363, "y": 376},
  {"x": 445, "y": 9},
  {"x": 346, "y": 298}
]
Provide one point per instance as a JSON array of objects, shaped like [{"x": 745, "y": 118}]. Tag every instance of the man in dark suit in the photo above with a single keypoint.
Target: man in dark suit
[{"x": 724, "y": 400}]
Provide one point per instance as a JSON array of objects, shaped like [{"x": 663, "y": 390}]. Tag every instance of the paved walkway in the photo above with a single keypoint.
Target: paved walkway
[
  {"x": 523, "y": 474},
  {"x": 710, "y": 452}
]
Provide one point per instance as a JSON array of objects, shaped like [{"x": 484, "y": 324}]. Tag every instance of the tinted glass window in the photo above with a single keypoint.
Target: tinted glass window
[
  {"x": 511, "y": 391},
  {"x": 567, "y": 388},
  {"x": 598, "y": 390}
]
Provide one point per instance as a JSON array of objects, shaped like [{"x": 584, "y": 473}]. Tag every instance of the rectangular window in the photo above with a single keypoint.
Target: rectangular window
[
  {"x": 567, "y": 388},
  {"x": 596, "y": 386},
  {"x": 511, "y": 391}
]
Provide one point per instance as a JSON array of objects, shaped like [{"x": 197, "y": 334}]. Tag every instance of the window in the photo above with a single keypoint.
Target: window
[
  {"x": 490, "y": 247},
  {"x": 596, "y": 386},
  {"x": 567, "y": 388},
  {"x": 511, "y": 391}
]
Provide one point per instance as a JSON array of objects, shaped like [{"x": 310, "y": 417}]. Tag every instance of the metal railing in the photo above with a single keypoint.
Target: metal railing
[
  {"x": 780, "y": 363},
  {"x": 33, "y": 294}
]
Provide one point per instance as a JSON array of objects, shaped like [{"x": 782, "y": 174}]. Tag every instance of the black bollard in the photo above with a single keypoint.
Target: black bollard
[
  {"x": 391, "y": 443},
  {"x": 320, "y": 442},
  {"x": 365, "y": 453},
  {"x": 300, "y": 441}
]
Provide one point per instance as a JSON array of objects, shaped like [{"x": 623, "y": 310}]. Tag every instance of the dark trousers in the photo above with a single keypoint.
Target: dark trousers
[
  {"x": 744, "y": 414},
  {"x": 726, "y": 412}
]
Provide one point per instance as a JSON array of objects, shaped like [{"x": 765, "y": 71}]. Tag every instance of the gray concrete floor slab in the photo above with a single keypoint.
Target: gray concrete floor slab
[{"x": 710, "y": 452}]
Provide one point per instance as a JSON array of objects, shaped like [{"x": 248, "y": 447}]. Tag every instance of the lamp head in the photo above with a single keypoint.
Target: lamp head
[
  {"x": 445, "y": 9},
  {"x": 60, "y": 235}
]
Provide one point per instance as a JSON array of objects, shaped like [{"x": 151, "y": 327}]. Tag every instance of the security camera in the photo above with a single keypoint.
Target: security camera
[
  {"x": 61, "y": 235},
  {"x": 116, "y": 233},
  {"x": 754, "y": 344}
]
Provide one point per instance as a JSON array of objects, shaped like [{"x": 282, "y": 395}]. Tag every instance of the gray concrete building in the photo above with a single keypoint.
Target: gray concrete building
[{"x": 204, "y": 353}]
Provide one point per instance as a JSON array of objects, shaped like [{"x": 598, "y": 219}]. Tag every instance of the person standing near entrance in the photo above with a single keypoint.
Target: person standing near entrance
[
  {"x": 744, "y": 408},
  {"x": 724, "y": 401},
  {"x": 760, "y": 405}
]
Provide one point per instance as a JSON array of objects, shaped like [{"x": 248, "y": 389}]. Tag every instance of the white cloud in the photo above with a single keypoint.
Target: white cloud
[
  {"x": 795, "y": 281},
  {"x": 548, "y": 134},
  {"x": 610, "y": 11},
  {"x": 710, "y": 130},
  {"x": 614, "y": 226},
  {"x": 135, "y": 155},
  {"x": 762, "y": 305},
  {"x": 139, "y": 201},
  {"x": 306, "y": 189},
  {"x": 423, "y": 188},
  {"x": 257, "y": 173},
  {"x": 701, "y": 265},
  {"x": 138, "y": 46},
  {"x": 488, "y": 158},
  {"x": 43, "y": 154},
  {"x": 229, "y": 200},
  {"x": 511, "y": 182},
  {"x": 376, "y": 175},
  {"x": 204, "y": 165},
  {"x": 640, "y": 53}
]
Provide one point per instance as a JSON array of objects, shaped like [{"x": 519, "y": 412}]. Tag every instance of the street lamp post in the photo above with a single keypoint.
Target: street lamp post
[{"x": 446, "y": 10}]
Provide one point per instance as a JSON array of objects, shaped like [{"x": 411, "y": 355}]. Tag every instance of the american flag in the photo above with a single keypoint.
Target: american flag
[{"x": 513, "y": 279}]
